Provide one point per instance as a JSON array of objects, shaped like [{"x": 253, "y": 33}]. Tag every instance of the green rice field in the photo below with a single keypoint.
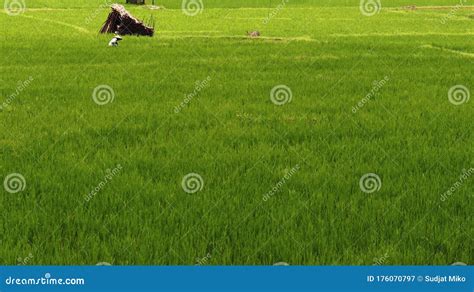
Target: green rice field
[{"x": 342, "y": 135}]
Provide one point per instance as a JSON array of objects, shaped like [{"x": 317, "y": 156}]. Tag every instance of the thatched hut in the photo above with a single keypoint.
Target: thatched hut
[{"x": 122, "y": 22}]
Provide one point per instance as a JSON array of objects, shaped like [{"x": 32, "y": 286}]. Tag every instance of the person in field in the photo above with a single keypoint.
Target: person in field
[{"x": 114, "y": 42}]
